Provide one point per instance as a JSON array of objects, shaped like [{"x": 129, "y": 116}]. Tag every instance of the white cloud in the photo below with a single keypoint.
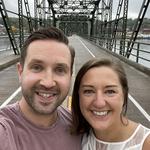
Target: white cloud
[
  {"x": 134, "y": 9},
  {"x": 11, "y": 5}
]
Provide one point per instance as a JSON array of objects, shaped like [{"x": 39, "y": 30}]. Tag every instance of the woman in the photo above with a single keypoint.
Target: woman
[{"x": 99, "y": 105}]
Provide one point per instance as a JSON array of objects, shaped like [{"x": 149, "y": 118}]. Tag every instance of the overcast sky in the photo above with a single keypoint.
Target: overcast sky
[{"x": 133, "y": 10}]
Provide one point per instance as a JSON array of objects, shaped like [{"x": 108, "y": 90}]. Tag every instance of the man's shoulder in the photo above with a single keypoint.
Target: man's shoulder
[
  {"x": 65, "y": 114},
  {"x": 6, "y": 124},
  {"x": 64, "y": 111},
  {"x": 8, "y": 109},
  {"x": 6, "y": 115},
  {"x": 7, "y": 130},
  {"x": 3, "y": 135}
]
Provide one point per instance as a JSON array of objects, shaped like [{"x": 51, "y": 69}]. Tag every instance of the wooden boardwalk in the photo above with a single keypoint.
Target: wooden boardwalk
[{"x": 139, "y": 83}]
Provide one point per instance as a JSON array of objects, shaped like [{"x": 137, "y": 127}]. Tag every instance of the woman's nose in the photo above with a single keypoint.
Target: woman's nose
[{"x": 99, "y": 100}]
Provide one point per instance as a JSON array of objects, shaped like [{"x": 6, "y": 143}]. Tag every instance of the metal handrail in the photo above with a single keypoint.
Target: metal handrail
[{"x": 137, "y": 53}]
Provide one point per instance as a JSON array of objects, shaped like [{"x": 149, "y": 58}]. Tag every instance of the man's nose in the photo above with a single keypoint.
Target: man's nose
[{"x": 48, "y": 80}]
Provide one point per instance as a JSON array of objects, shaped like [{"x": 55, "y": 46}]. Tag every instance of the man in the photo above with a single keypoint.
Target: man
[{"x": 37, "y": 121}]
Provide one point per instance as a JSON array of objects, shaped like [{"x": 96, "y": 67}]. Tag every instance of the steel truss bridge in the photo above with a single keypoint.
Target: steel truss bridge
[{"x": 88, "y": 18}]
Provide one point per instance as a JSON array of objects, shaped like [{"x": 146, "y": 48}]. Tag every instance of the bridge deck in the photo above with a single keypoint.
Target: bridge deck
[{"x": 139, "y": 83}]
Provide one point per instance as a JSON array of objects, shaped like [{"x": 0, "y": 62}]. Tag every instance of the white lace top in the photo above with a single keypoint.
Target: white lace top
[{"x": 134, "y": 142}]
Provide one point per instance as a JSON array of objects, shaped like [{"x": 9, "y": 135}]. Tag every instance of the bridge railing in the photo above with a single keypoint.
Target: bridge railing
[
  {"x": 6, "y": 48},
  {"x": 139, "y": 54}
]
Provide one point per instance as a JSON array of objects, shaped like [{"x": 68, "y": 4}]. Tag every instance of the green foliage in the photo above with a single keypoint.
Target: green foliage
[
  {"x": 130, "y": 23},
  {"x": 15, "y": 22},
  {"x": 145, "y": 23}
]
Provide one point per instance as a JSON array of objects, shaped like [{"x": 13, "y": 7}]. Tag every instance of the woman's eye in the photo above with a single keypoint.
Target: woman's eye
[
  {"x": 88, "y": 92},
  {"x": 110, "y": 92}
]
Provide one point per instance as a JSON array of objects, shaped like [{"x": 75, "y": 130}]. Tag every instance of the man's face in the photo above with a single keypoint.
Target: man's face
[{"x": 46, "y": 75}]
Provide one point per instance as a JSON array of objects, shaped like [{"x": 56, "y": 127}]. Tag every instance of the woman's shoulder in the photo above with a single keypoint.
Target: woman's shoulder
[
  {"x": 146, "y": 130},
  {"x": 142, "y": 131},
  {"x": 145, "y": 136},
  {"x": 64, "y": 115},
  {"x": 146, "y": 144},
  {"x": 138, "y": 130}
]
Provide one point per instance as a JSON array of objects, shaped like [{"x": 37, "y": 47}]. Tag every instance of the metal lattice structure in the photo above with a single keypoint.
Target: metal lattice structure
[
  {"x": 70, "y": 14},
  {"x": 92, "y": 18},
  {"x": 21, "y": 31},
  {"x": 137, "y": 26},
  {"x": 8, "y": 27},
  {"x": 29, "y": 18}
]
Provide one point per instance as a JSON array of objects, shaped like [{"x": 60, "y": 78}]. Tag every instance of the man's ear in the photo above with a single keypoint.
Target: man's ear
[{"x": 19, "y": 70}]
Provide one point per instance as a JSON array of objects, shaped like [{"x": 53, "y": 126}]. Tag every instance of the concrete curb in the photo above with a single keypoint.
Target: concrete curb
[
  {"x": 131, "y": 63},
  {"x": 8, "y": 61},
  {"x": 127, "y": 61}
]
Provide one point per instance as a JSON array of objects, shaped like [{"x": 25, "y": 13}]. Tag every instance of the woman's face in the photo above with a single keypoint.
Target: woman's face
[{"x": 101, "y": 98}]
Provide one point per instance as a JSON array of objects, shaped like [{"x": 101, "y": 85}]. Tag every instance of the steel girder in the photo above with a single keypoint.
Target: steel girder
[
  {"x": 62, "y": 8},
  {"x": 81, "y": 7},
  {"x": 21, "y": 30},
  {"x": 137, "y": 26},
  {"x": 29, "y": 18},
  {"x": 8, "y": 27}
]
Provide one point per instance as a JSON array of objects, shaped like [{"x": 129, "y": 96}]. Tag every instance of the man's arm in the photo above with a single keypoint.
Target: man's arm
[
  {"x": 3, "y": 138},
  {"x": 7, "y": 141}
]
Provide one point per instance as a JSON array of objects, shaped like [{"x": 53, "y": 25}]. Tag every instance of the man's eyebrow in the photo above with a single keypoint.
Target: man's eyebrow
[
  {"x": 62, "y": 65},
  {"x": 59, "y": 64},
  {"x": 36, "y": 60},
  {"x": 111, "y": 86}
]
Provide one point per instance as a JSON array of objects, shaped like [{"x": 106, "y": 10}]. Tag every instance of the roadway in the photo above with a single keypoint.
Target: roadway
[{"x": 139, "y": 82}]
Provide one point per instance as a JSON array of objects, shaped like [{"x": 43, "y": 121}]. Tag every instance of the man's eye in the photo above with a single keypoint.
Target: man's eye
[
  {"x": 36, "y": 68},
  {"x": 60, "y": 70}
]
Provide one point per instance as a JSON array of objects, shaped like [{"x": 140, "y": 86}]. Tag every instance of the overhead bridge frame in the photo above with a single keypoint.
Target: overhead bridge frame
[{"x": 84, "y": 17}]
